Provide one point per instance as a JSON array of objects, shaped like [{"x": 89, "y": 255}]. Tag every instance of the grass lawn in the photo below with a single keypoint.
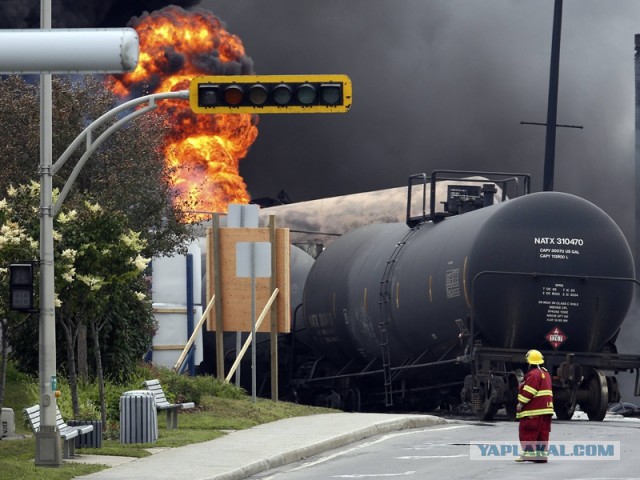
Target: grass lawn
[{"x": 210, "y": 420}]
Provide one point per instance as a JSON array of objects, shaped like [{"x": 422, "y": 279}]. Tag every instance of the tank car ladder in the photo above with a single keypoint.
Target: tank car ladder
[{"x": 385, "y": 313}]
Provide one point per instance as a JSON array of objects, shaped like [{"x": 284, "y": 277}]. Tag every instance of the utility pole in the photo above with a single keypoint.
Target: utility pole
[{"x": 552, "y": 105}]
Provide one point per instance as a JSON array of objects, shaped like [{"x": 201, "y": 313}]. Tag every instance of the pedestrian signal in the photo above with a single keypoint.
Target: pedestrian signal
[
  {"x": 21, "y": 286},
  {"x": 271, "y": 94}
]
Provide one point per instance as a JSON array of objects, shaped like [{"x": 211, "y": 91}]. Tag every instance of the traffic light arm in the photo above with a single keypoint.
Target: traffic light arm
[
  {"x": 92, "y": 145},
  {"x": 271, "y": 94}
]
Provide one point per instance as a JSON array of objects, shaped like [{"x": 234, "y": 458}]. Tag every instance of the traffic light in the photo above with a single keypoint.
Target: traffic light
[
  {"x": 21, "y": 286},
  {"x": 270, "y": 94}
]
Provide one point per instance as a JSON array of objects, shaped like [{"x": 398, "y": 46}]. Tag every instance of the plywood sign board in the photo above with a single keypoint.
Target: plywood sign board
[{"x": 235, "y": 292}]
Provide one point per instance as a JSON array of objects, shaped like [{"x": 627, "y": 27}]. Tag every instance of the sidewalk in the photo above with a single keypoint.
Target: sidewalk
[{"x": 244, "y": 453}]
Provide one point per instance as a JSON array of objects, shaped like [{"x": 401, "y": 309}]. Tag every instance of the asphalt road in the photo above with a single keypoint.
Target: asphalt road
[{"x": 583, "y": 450}]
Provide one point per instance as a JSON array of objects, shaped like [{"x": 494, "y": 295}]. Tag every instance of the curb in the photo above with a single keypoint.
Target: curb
[{"x": 291, "y": 456}]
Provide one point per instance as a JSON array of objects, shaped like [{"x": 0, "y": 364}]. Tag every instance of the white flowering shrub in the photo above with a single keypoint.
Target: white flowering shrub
[
  {"x": 99, "y": 280},
  {"x": 16, "y": 245}
]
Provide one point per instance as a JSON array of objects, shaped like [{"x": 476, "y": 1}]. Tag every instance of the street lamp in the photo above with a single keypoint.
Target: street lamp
[
  {"x": 49, "y": 51},
  {"x": 81, "y": 50}
]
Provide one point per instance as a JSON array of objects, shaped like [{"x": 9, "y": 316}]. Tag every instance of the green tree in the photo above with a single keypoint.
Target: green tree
[
  {"x": 15, "y": 245},
  {"x": 127, "y": 173},
  {"x": 127, "y": 176},
  {"x": 98, "y": 281},
  {"x": 108, "y": 269}
]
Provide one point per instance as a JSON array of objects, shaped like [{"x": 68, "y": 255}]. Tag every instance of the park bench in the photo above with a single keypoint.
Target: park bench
[
  {"x": 67, "y": 433},
  {"x": 163, "y": 404}
]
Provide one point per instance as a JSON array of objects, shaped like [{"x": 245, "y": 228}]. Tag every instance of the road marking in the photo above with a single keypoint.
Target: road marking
[
  {"x": 423, "y": 457},
  {"x": 375, "y": 475},
  {"x": 368, "y": 444},
  {"x": 373, "y": 442}
]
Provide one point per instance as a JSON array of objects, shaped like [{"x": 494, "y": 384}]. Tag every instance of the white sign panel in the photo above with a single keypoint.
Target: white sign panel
[
  {"x": 253, "y": 259},
  {"x": 245, "y": 216}
]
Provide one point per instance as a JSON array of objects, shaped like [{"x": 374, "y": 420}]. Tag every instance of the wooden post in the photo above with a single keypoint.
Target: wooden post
[
  {"x": 192, "y": 339},
  {"x": 218, "y": 298},
  {"x": 249, "y": 339},
  {"x": 274, "y": 312}
]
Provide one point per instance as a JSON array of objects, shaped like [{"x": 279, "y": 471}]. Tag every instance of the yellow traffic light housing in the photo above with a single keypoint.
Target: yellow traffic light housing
[{"x": 271, "y": 94}]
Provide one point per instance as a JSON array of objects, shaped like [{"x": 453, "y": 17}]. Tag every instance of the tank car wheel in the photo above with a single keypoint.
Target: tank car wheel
[
  {"x": 489, "y": 410},
  {"x": 596, "y": 409},
  {"x": 352, "y": 401},
  {"x": 511, "y": 404},
  {"x": 564, "y": 411},
  {"x": 327, "y": 399},
  {"x": 489, "y": 407}
]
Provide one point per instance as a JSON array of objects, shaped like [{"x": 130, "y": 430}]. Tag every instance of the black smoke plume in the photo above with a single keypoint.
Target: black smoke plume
[
  {"x": 84, "y": 14},
  {"x": 175, "y": 57}
]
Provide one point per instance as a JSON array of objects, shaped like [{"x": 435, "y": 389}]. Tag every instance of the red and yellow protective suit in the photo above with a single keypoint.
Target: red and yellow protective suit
[{"x": 535, "y": 400}]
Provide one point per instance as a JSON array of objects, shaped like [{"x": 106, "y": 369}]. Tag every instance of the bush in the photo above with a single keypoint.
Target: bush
[
  {"x": 178, "y": 388},
  {"x": 89, "y": 403},
  {"x": 182, "y": 388},
  {"x": 15, "y": 375}
]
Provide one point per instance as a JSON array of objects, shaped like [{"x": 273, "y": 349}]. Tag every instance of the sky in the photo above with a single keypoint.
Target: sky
[
  {"x": 444, "y": 85},
  {"x": 437, "y": 84}
]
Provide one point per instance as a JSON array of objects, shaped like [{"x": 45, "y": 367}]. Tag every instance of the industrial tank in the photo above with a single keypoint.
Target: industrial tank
[{"x": 546, "y": 269}]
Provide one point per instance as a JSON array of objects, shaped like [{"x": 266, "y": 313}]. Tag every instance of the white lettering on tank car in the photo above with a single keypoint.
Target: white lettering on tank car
[
  {"x": 576, "y": 242},
  {"x": 557, "y": 253},
  {"x": 570, "y": 241},
  {"x": 543, "y": 241},
  {"x": 559, "y": 302}
]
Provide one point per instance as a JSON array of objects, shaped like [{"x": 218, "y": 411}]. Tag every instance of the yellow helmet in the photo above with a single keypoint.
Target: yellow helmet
[{"x": 534, "y": 357}]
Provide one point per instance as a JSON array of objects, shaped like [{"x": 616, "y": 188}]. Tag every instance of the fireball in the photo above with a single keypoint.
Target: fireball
[{"x": 203, "y": 152}]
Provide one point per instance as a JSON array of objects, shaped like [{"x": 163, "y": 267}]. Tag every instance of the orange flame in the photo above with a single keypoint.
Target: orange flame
[{"x": 202, "y": 151}]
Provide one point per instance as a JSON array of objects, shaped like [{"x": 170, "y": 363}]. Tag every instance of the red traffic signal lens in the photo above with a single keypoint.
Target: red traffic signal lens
[
  {"x": 233, "y": 95},
  {"x": 282, "y": 94},
  {"x": 258, "y": 94},
  {"x": 306, "y": 94},
  {"x": 330, "y": 93}
]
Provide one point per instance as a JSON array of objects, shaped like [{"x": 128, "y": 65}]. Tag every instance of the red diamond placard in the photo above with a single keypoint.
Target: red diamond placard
[{"x": 556, "y": 337}]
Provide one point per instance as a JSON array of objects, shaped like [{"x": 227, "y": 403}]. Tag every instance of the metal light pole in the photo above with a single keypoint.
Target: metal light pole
[
  {"x": 48, "y": 51},
  {"x": 48, "y": 451},
  {"x": 48, "y": 437}
]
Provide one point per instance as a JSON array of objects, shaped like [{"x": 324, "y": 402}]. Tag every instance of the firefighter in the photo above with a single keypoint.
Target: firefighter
[{"x": 534, "y": 410}]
